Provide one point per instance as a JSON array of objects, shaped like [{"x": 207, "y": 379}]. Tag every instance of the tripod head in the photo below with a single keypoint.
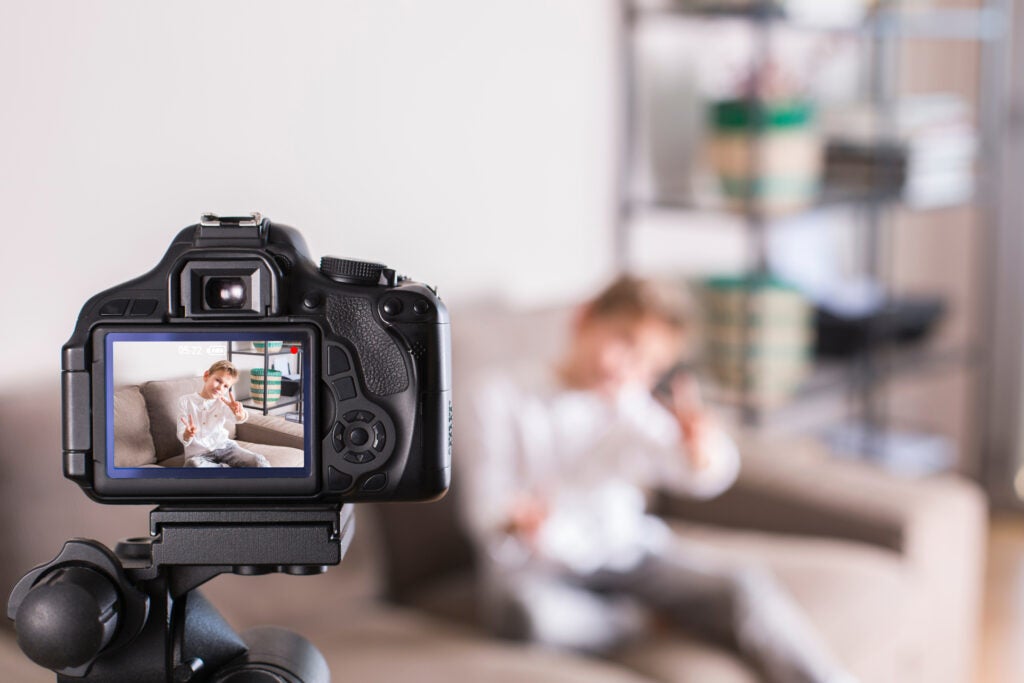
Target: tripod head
[{"x": 94, "y": 615}]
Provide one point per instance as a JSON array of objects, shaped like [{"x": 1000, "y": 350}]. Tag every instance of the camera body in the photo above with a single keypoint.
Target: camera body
[{"x": 360, "y": 353}]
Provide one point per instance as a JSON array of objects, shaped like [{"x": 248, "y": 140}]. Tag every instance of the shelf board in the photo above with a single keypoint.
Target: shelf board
[
  {"x": 710, "y": 9},
  {"x": 279, "y": 404},
  {"x": 831, "y": 198},
  {"x": 261, "y": 353},
  {"x": 981, "y": 24}
]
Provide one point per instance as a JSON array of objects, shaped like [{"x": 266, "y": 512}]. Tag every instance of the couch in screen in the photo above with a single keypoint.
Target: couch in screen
[{"x": 146, "y": 419}]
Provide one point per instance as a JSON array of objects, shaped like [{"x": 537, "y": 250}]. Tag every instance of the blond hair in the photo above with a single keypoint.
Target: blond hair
[
  {"x": 225, "y": 365},
  {"x": 641, "y": 298}
]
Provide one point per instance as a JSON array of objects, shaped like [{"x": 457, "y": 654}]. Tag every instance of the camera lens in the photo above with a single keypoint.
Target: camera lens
[{"x": 225, "y": 293}]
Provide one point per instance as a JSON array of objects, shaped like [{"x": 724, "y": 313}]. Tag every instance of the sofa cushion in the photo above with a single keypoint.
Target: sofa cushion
[
  {"x": 858, "y": 597},
  {"x": 367, "y": 641},
  {"x": 271, "y": 430},
  {"x": 279, "y": 456},
  {"x": 162, "y": 404},
  {"x": 389, "y": 644},
  {"x": 675, "y": 657},
  {"x": 133, "y": 443}
]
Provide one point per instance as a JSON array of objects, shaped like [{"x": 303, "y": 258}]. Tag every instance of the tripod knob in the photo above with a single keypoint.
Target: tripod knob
[{"x": 67, "y": 617}]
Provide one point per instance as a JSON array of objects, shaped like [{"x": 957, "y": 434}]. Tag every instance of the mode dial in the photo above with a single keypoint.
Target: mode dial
[{"x": 351, "y": 272}]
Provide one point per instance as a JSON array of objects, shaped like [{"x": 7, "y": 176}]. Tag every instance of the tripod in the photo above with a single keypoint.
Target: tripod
[{"x": 133, "y": 615}]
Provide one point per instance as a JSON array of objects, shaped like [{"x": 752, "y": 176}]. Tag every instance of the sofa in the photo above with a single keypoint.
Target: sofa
[
  {"x": 888, "y": 569},
  {"x": 146, "y": 422}
]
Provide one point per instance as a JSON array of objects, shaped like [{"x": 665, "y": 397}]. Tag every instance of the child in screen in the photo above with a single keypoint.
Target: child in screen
[{"x": 204, "y": 418}]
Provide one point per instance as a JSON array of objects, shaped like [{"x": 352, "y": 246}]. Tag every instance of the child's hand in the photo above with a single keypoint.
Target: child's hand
[
  {"x": 526, "y": 517},
  {"x": 235, "y": 406},
  {"x": 694, "y": 421},
  {"x": 190, "y": 428}
]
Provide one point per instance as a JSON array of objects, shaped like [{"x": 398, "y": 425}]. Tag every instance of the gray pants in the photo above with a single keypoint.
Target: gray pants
[
  {"x": 231, "y": 455},
  {"x": 745, "y": 609}
]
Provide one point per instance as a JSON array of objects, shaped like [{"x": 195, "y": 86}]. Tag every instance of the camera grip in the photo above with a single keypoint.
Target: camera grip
[{"x": 379, "y": 356}]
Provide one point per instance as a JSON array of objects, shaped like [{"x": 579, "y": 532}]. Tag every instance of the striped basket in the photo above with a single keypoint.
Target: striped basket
[
  {"x": 265, "y": 390},
  {"x": 271, "y": 346}
]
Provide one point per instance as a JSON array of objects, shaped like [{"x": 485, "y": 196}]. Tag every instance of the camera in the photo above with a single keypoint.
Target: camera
[{"x": 336, "y": 378}]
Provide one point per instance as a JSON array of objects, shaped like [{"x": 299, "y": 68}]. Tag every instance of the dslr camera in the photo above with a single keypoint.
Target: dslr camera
[{"x": 343, "y": 371}]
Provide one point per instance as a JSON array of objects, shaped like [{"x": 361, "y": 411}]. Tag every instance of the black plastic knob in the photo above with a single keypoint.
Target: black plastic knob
[
  {"x": 351, "y": 272},
  {"x": 67, "y": 618}
]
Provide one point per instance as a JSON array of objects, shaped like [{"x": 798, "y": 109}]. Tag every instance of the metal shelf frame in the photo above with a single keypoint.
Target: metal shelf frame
[
  {"x": 883, "y": 30},
  {"x": 971, "y": 24},
  {"x": 266, "y": 356}
]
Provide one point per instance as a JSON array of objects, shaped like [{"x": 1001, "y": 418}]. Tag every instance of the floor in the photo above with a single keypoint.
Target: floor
[{"x": 1001, "y": 655}]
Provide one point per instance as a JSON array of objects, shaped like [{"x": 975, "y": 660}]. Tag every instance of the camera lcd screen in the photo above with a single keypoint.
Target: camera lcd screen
[{"x": 208, "y": 404}]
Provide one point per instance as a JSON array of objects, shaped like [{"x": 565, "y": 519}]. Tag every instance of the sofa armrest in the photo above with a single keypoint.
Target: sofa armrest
[
  {"x": 936, "y": 525},
  {"x": 795, "y": 486},
  {"x": 271, "y": 430}
]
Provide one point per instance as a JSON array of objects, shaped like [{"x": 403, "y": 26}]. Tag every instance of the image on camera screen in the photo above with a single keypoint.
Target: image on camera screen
[{"x": 208, "y": 404}]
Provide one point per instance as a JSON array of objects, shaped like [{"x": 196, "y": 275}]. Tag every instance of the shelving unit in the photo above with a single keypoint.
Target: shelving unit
[
  {"x": 884, "y": 31},
  {"x": 266, "y": 355}
]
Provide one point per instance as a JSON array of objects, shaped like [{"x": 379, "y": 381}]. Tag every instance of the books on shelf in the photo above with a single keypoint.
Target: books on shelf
[
  {"x": 820, "y": 13},
  {"x": 759, "y": 338},
  {"x": 923, "y": 150}
]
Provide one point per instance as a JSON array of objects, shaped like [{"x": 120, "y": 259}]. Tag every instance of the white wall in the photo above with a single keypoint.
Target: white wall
[
  {"x": 470, "y": 144},
  {"x": 139, "y": 362}
]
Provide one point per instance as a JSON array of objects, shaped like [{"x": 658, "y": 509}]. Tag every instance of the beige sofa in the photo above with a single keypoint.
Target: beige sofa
[
  {"x": 146, "y": 421},
  {"x": 888, "y": 569}
]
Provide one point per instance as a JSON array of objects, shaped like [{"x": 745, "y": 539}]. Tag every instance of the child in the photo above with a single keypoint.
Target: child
[
  {"x": 554, "y": 496},
  {"x": 202, "y": 426}
]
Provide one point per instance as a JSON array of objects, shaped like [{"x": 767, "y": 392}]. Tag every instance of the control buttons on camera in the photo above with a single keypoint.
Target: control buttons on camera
[
  {"x": 337, "y": 361},
  {"x": 142, "y": 308},
  {"x": 361, "y": 437},
  {"x": 379, "y": 436},
  {"x": 338, "y": 480},
  {"x": 358, "y": 436},
  {"x": 137, "y": 308},
  {"x": 358, "y": 416},
  {"x": 374, "y": 483},
  {"x": 360, "y": 458},
  {"x": 311, "y": 300},
  {"x": 115, "y": 307},
  {"x": 406, "y": 307},
  {"x": 345, "y": 387}
]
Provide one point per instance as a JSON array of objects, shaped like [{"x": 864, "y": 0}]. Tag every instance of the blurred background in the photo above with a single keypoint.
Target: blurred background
[{"x": 836, "y": 179}]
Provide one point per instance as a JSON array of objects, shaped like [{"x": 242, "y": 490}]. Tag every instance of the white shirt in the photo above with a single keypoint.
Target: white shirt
[
  {"x": 211, "y": 417},
  {"x": 589, "y": 459}
]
